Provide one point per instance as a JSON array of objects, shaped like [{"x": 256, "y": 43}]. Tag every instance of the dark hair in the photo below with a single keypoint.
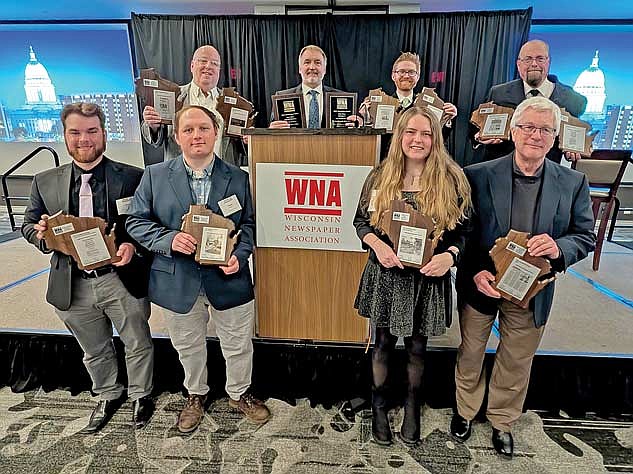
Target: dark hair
[
  {"x": 85, "y": 109},
  {"x": 210, "y": 113}
]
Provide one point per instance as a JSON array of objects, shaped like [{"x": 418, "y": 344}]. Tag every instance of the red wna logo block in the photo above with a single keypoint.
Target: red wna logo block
[{"x": 314, "y": 193}]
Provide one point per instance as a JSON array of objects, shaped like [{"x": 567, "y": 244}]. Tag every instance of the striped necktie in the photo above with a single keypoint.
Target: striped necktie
[{"x": 85, "y": 196}]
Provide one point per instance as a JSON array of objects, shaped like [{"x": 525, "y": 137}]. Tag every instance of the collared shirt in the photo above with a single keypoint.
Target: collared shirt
[
  {"x": 411, "y": 97},
  {"x": 99, "y": 191},
  {"x": 525, "y": 197},
  {"x": 307, "y": 98},
  {"x": 199, "y": 182},
  {"x": 545, "y": 89}
]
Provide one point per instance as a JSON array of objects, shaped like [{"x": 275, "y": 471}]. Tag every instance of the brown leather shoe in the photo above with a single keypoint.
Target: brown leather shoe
[
  {"x": 254, "y": 409},
  {"x": 191, "y": 415}
]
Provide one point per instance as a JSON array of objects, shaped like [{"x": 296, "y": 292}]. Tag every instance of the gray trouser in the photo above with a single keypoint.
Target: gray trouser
[
  {"x": 234, "y": 327},
  {"x": 97, "y": 304}
]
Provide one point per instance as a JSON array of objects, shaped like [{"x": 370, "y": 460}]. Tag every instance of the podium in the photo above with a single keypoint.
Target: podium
[{"x": 305, "y": 293}]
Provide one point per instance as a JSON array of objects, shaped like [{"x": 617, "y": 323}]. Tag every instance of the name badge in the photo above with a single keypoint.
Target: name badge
[
  {"x": 123, "y": 205},
  {"x": 230, "y": 205}
]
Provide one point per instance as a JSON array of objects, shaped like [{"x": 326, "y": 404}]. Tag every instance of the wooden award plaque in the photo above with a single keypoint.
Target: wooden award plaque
[
  {"x": 492, "y": 120},
  {"x": 215, "y": 234},
  {"x": 428, "y": 99},
  {"x": 159, "y": 93},
  {"x": 83, "y": 238},
  {"x": 237, "y": 112},
  {"x": 339, "y": 106},
  {"x": 574, "y": 135},
  {"x": 410, "y": 231},
  {"x": 384, "y": 110},
  {"x": 519, "y": 275}
]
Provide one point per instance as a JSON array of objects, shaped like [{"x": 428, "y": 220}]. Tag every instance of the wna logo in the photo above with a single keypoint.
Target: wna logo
[{"x": 313, "y": 193}]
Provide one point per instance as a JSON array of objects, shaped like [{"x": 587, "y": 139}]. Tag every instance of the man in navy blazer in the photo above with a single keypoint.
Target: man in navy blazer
[
  {"x": 187, "y": 290},
  {"x": 533, "y": 65},
  {"x": 528, "y": 193},
  {"x": 312, "y": 67}
]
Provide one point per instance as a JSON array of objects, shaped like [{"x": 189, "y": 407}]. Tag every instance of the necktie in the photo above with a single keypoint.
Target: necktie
[
  {"x": 533, "y": 93},
  {"x": 313, "y": 111},
  {"x": 85, "y": 196},
  {"x": 406, "y": 102}
]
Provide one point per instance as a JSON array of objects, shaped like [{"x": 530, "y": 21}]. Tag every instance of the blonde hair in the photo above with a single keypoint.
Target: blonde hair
[
  {"x": 411, "y": 57},
  {"x": 444, "y": 193}
]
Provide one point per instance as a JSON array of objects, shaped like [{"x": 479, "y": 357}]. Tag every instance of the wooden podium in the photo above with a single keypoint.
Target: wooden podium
[{"x": 309, "y": 294}]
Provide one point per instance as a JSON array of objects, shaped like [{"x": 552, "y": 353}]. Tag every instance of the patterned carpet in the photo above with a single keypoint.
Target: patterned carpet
[{"x": 39, "y": 434}]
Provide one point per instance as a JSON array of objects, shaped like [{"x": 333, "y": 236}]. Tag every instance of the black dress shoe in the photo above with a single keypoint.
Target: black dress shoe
[
  {"x": 503, "y": 442},
  {"x": 101, "y": 415},
  {"x": 460, "y": 427},
  {"x": 142, "y": 410}
]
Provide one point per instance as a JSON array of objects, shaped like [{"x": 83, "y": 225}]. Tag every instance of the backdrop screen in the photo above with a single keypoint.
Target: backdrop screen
[
  {"x": 45, "y": 67},
  {"x": 596, "y": 60}
]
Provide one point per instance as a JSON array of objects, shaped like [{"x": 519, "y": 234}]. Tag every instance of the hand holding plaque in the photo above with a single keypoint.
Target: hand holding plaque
[
  {"x": 574, "y": 135},
  {"x": 290, "y": 107},
  {"x": 83, "y": 238},
  {"x": 520, "y": 276},
  {"x": 384, "y": 110},
  {"x": 493, "y": 121},
  {"x": 410, "y": 231},
  {"x": 215, "y": 234},
  {"x": 428, "y": 99},
  {"x": 237, "y": 112},
  {"x": 159, "y": 93}
]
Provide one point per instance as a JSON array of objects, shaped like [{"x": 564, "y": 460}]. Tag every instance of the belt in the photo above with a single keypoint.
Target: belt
[{"x": 96, "y": 272}]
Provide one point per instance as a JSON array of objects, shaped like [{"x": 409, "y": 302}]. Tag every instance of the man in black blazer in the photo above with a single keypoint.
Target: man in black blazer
[
  {"x": 89, "y": 303},
  {"x": 528, "y": 193},
  {"x": 312, "y": 67},
  {"x": 533, "y": 65}
]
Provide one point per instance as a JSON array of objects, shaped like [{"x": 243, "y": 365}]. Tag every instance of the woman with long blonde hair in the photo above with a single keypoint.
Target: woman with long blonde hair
[{"x": 403, "y": 301}]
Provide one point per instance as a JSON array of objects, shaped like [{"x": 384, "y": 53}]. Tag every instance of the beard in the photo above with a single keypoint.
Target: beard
[
  {"x": 535, "y": 78},
  {"x": 87, "y": 157}
]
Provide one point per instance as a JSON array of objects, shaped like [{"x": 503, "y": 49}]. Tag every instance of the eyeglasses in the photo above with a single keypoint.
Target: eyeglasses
[
  {"x": 207, "y": 62},
  {"x": 539, "y": 60},
  {"x": 406, "y": 72},
  {"x": 530, "y": 129}
]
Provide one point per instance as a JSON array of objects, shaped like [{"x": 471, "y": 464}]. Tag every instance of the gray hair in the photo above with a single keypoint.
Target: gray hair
[{"x": 540, "y": 104}]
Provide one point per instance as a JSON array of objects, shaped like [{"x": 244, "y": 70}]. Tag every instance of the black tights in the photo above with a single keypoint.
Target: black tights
[{"x": 416, "y": 349}]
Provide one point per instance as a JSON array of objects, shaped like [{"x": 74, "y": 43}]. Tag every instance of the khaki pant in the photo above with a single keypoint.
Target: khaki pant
[{"x": 511, "y": 371}]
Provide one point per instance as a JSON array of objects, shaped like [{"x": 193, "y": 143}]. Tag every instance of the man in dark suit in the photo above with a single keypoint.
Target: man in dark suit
[
  {"x": 312, "y": 67},
  {"x": 528, "y": 193},
  {"x": 187, "y": 290},
  {"x": 203, "y": 90},
  {"x": 533, "y": 65},
  {"x": 89, "y": 303}
]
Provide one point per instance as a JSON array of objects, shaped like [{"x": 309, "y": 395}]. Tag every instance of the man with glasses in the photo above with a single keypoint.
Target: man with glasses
[
  {"x": 202, "y": 90},
  {"x": 535, "y": 81},
  {"x": 405, "y": 74},
  {"x": 525, "y": 192}
]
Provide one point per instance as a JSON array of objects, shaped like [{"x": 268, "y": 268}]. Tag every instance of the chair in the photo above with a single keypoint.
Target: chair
[{"x": 604, "y": 170}]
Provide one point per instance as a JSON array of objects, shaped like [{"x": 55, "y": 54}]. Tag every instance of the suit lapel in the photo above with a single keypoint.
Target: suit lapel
[
  {"x": 220, "y": 179},
  {"x": 180, "y": 183},
  {"x": 64, "y": 174},
  {"x": 114, "y": 182},
  {"x": 500, "y": 183},
  {"x": 550, "y": 197}
]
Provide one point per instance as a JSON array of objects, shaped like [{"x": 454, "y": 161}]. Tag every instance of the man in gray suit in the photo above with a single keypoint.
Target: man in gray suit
[
  {"x": 202, "y": 90},
  {"x": 528, "y": 193},
  {"x": 535, "y": 81},
  {"x": 312, "y": 67},
  {"x": 187, "y": 290},
  {"x": 89, "y": 303}
]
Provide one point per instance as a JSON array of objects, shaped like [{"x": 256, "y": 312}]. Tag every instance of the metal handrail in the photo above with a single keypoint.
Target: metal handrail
[{"x": 5, "y": 188}]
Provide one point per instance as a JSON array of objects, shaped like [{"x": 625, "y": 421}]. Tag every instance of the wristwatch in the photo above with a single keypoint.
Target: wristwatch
[{"x": 455, "y": 256}]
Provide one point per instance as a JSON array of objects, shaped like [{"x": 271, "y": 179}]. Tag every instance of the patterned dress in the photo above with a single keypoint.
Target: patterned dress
[{"x": 405, "y": 301}]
